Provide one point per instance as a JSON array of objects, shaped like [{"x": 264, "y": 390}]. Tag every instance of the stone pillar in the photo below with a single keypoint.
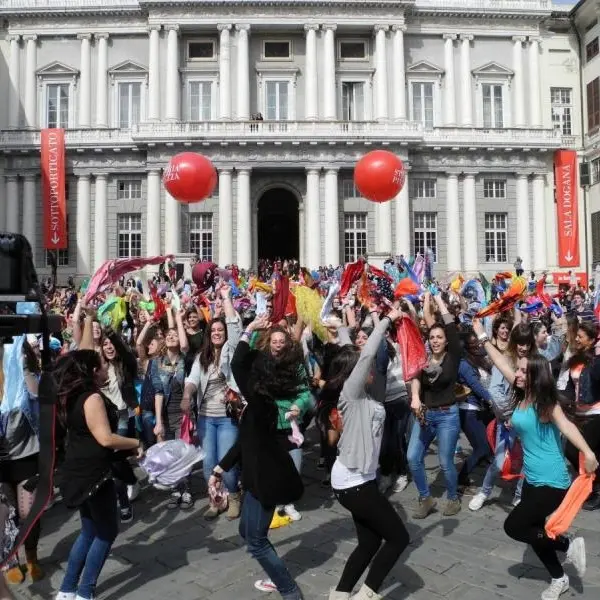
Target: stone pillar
[
  {"x": 172, "y": 225},
  {"x": 30, "y": 212},
  {"x": 224, "y": 72},
  {"x": 302, "y": 232},
  {"x": 518, "y": 96},
  {"x": 450, "y": 92},
  {"x": 466, "y": 96},
  {"x": 12, "y": 204},
  {"x": 85, "y": 82},
  {"x": 539, "y": 231},
  {"x": 225, "y": 218},
  {"x": 523, "y": 224},
  {"x": 329, "y": 99},
  {"x": 399, "y": 77},
  {"x": 102, "y": 81},
  {"x": 83, "y": 226},
  {"x": 534, "y": 83},
  {"x": 452, "y": 224},
  {"x": 154, "y": 73},
  {"x": 332, "y": 223},
  {"x": 312, "y": 245},
  {"x": 244, "y": 220},
  {"x": 153, "y": 220},
  {"x": 3, "y": 203},
  {"x": 173, "y": 79},
  {"x": 31, "y": 119},
  {"x": 381, "y": 79},
  {"x": 100, "y": 221},
  {"x": 383, "y": 227},
  {"x": 470, "y": 224},
  {"x": 14, "y": 74},
  {"x": 311, "y": 107},
  {"x": 403, "y": 228},
  {"x": 243, "y": 74}
]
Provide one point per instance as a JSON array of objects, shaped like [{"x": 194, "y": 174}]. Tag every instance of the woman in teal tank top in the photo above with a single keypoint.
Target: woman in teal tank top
[{"x": 539, "y": 422}]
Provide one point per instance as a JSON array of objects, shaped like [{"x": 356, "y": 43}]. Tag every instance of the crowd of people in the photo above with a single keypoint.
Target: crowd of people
[{"x": 382, "y": 363}]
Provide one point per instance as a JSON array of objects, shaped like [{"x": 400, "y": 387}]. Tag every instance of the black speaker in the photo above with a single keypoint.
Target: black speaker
[
  {"x": 179, "y": 270},
  {"x": 17, "y": 273},
  {"x": 584, "y": 174}
]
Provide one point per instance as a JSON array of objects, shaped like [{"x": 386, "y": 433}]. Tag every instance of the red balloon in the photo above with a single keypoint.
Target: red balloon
[
  {"x": 190, "y": 177},
  {"x": 379, "y": 176}
]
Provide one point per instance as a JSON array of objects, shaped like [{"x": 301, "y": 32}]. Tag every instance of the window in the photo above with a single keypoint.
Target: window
[
  {"x": 561, "y": 99},
  {"x": 352, "y": 49},
  {"x": 275, "y": 50},
  {"x": 129, "y": 235},
  {"x": 355, "y": 236},
  {"x": 595, "y": 171},
  {"x": 129, "y": 104},
  {"x": 593, "y": 104},
  {"x": 423, "y": 188},
  {"x": 57, "y": 114},
  {"x": 201, "y": 235},
  {"x": 422, "y": 103},
  {"x": 591, "y": 49},
  {"x": 494, "y": 188},
  {"x": 349, "y": 189},
  {"x": 492, "y": 106},
  {"x": 425, "y": 230},
  {"x": 201, "y": 50},
  {"x": 276, "y": 100},
  {"x": 129, "y": 189},
  {"x": 201, "y": 100},
  {"x": 495, "y": 237},
  {"x": 62, "y": 258},
  {"x": 353, "y": 101}
]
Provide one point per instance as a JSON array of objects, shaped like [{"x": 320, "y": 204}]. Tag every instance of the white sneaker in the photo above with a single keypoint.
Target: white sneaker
[
  {"x": 401, "y": 484},
  {"x": 133, "y": 491},
  {"x": 478, "y": 501},
  {"x": 516, "y": 501},
  {"x": 576, "y": 555},
  {"x": 385, "y": 483},
  {"x": 291, "y": 512},
  {"x": 265, "y": 585},
  {"x": 65, "y": 596},
  {"x": 556, "y": 588}
]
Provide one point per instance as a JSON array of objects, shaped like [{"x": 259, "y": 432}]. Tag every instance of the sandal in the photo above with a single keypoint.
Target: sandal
[
  {"x": 174, "y": 501},
  {"x": 186, "y": 502}
]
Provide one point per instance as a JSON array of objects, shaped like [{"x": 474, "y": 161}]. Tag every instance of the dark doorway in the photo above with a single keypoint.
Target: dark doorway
[{"x": 278, "y": 225}]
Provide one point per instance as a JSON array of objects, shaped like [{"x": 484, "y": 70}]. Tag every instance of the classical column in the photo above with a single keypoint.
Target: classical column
[
  {"x": 172, "y": 80},
  {"x": 30, "y": 212},
  {"x": 224, "y": 72},
  {"x": 311, "y": 110},
  {"x": 243, "y": 73},
  {"x": 402, "y": 225},
  {"x": 518, "y": 96},
  {"x": 154, "y": 73},
  {"x": 85, "y": 81},
  {"x": 102, "y": 80},
  {"x": 172, "y": 225},
  {"x": 83, "y": 226},
  {"x": 452, "y": 224},
  {"x": 466, "y": 95},
  {"x": 100, "y": 221},
  {"x": 383, "y": 228},
  {"x": 312, "y": 219},
  {"x": 332, "y": 223},
  {"x": 450, "y": 92},
  {"x": 244, "y": 220},
  {"x": 12, "y": 204},
  {"x": 329, "y": 99},
  {"x": 225, "y": 218},
  {"x": 14, "y": 94},
  {"x": 381, "y": 79},
  {"x": 3, "y": 203},
  {"x": 523, "y": 224},
  {"x": 31, "y": 81},
  {"x": 470, "y": 224},
  {"x": 302, "y": 228},
  {"x": 539, "y": 230},
  {"x": 153, "y": 213},
  {"x": 399, "y": 76},
  {"x": 534, "y": 83}
]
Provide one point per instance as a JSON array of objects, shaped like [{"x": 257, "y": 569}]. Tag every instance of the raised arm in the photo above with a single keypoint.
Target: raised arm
[{"x": 495, "y": 355}]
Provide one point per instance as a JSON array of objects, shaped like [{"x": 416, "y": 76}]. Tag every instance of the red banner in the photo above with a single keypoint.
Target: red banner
[
  {"x": 579, "y": 277},
  {"x": 53, "y": 189},
  {"x": 565, "y": 180}
]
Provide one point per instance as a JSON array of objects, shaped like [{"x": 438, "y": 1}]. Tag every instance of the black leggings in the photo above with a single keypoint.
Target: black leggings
[
  {"x": 375, "y": 520},
  {"x": 526, "y": 523},
  {"x": 590, "y": 430}
]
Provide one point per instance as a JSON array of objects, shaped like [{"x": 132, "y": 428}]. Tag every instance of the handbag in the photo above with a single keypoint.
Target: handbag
[{"x": 234, "y": 404}]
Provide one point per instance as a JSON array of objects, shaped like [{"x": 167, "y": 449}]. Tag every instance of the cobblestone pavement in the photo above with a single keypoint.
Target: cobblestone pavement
[{"x": 177, "y": 555}]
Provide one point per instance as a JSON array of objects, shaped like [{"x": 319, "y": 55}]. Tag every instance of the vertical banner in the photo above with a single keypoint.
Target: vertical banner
[
  {"x": 53, "y": 189},
  {"x": 567, "y": 207}
]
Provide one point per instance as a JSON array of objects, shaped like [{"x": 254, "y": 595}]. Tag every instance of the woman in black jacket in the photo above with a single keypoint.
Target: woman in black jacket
[{"x": 269, "y": 477}]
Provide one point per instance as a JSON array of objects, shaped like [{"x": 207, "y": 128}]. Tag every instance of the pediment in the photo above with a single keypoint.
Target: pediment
[
  {"x": 128, "y": 67},
  {"x": 57, "y": 68},
  {"x": 494, "y": 69},
  {"x": 424, "y": 67}
]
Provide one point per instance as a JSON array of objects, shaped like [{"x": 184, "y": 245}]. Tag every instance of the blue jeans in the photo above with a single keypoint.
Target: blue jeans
[
  {"x": 216, "y": 436},
  {"x": 471, "y": 422},
  {"x": 148, "y": 425},
  {"x": 254, "y": 529},
  {"x": 99, "y": 528},
  {"x": 445, "y": 426},
  {"x": 495, "y": 467},
  {"x": 392, "y": 456}
]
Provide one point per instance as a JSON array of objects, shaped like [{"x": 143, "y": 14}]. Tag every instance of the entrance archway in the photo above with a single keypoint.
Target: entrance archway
[{"x": 278, "y": 225}]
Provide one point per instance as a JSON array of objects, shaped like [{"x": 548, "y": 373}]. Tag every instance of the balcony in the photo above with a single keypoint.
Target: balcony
[
  {"x": 53, "y": 7},
  {"x": 455, "y": 137},
  {"x": 484, "y": 6},
  {"x": 25, "y": 140}
]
